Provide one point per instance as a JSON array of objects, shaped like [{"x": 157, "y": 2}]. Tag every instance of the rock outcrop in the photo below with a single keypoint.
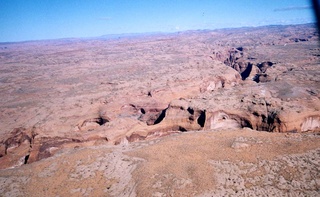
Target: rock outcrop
[{"x": 128, "y": 90}]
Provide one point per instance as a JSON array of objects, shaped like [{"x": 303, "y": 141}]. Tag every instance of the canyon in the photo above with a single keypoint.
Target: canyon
[{"x": 194, "y": 113}]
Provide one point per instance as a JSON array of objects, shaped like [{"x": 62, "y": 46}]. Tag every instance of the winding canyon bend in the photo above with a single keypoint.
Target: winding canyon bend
[{"x": 207, "y": 113}]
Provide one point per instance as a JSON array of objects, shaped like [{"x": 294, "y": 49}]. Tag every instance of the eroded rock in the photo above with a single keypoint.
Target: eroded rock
[
  {"x": 16, "y": 148},
  {"x": 111, "y": 96},
  {"x": 311, "y": 123}
]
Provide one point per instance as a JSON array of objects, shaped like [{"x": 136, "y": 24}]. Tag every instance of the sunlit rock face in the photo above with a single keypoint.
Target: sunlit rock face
[
  {"x": 221, "y": 120},
  {"x": 311, "y": 123}
]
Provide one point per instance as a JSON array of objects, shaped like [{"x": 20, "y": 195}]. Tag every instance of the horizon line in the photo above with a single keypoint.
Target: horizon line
[{"x": 141, "y": 33}]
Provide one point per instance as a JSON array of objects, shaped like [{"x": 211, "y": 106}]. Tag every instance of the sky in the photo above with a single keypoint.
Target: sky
[{"x": 22, "y": 20}]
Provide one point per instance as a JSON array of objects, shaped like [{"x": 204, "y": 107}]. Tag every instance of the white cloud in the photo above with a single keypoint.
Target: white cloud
[{"x": 291, "y": 8}]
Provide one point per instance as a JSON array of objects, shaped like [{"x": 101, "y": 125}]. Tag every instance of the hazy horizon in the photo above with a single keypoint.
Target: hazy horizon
[
  {"x": 128, "y": 35},
  {"x": 46, "y": 20}
]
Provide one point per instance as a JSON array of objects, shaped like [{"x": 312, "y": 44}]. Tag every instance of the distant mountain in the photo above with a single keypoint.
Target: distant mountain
[{"x": 130, "y": 35}]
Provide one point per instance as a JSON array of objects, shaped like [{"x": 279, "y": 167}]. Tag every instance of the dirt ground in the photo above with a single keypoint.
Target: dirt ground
[{"x": 203, "y": 163}]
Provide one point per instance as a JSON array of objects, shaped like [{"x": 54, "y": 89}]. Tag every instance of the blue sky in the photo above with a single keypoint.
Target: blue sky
[{"x": 22, "y": 20}]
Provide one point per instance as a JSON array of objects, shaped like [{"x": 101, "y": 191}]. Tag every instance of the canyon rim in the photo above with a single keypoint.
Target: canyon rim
[{"x": 195, "y": 113}]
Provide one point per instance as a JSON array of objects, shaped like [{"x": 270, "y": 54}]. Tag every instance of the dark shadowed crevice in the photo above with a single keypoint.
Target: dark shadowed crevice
[
  {"x": 273, "y": 121},
  {"x": 256, "y": 78},
  {"x": 256, "y": 114},
  {"x": 246, "y": 123},
  {"x": 264, "y": 118},
  {"x": 26, "y": 158},
  {"x": 262, "y": 78},
  {"x": 202, "y": 118},
  {"x": 143, "y": 111},
  {"x": 264, "y": 66},
  {"x": 190, "y": 110},
  {"x": 245, "y": 74},
  {"x": 182, "y": 129},
  {"x": 161, "y": 116},
  {"x": 239, "y": 48},
  {"x": 101, "y": 121}
]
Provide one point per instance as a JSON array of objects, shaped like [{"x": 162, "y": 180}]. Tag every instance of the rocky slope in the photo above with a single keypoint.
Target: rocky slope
[{"x": 61, "y": 99}]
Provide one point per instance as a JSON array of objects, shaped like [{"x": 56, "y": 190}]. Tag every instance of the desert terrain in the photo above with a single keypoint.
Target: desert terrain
[{"x": 229, "y": 112}]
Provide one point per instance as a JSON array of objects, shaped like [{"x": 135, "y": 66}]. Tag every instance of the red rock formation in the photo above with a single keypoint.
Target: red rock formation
[{"x": 139, "y": 89}]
